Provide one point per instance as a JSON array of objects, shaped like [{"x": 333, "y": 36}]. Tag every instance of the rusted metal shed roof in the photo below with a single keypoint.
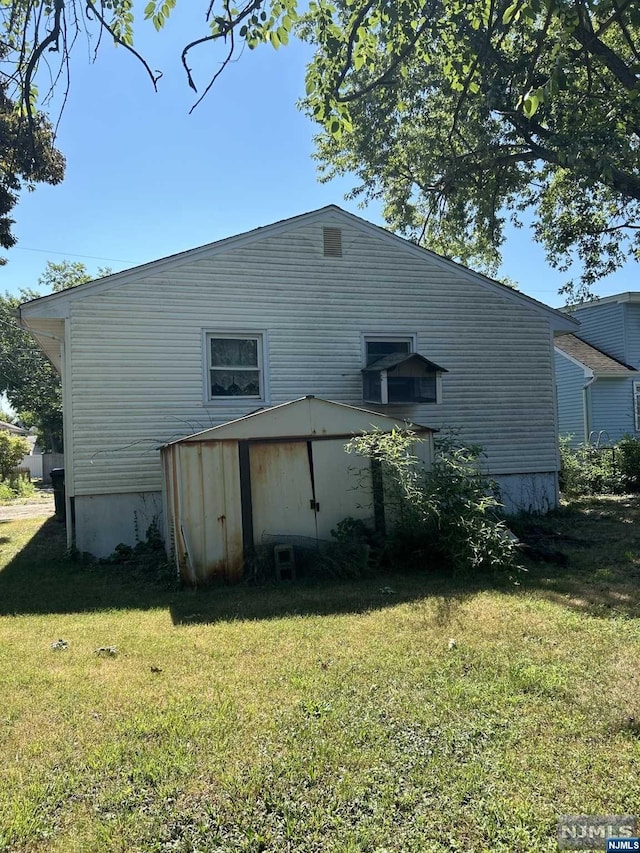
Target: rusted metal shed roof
[{"x": 309, "y": 416}]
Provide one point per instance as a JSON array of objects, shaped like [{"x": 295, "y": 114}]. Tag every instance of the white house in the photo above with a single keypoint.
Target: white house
[{"x": 297, "y": 308}]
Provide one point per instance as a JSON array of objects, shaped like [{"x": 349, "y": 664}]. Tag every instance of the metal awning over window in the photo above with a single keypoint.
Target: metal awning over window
[{"x": 401, "y": 378}]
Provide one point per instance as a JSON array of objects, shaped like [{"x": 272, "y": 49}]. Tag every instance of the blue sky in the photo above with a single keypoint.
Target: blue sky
[{"x": 145, "y": 179}]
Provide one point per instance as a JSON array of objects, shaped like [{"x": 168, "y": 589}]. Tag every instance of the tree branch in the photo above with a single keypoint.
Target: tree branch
[
  {"x": 585, "y": 35},
  {"x": 153, "y": 77}
]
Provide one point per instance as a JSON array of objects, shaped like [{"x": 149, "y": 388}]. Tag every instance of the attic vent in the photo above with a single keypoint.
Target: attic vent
[{"x": 332, "y": 242}]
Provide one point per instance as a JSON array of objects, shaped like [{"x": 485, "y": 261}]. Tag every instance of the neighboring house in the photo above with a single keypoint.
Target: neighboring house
[
  {"x": 598, "y": 383},
  {"x": 301, "y": 307},
  {"x": 5, "y": 426}
]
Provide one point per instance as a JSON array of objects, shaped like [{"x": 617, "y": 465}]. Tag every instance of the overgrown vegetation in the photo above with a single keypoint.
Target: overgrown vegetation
[
  {"x": 413, "y": 715},
  {"x": 12, "y": 450},
  {"x": 13, "y": 483},
  {"x": 447, "y": 517},
  {"x": 591, "y": 470},
  {"x": 146, "y": 560},
  {"x": 17, "y": 486}
]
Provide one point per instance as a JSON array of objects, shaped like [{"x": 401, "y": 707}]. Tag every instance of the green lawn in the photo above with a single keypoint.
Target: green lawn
[{"x": 442, "y": 717}]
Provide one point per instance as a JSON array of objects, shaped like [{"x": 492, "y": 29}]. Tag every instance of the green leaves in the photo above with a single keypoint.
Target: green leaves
[
  {"x": 468, "y": 116},
  {"x": 532, "y": 100},
  {"x": 461, "y": 113},
  {"x": 158, "y": 11}
]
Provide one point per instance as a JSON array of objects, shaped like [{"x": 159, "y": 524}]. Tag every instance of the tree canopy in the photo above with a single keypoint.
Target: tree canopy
[
  {"x": 460, "y": 114},
  {"x": 27, "y": 156},
  {"x": 491, "y": 111}
]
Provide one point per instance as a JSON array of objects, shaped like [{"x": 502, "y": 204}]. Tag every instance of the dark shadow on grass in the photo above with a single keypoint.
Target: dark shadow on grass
[
  {"x": 315, "y": 598},
  {"x": 600, "y": 537},
  {"x": 42, "y": 579}
]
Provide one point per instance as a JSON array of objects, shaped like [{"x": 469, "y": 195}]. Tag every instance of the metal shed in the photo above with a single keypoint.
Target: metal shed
[{"x": 282, "y": 471}]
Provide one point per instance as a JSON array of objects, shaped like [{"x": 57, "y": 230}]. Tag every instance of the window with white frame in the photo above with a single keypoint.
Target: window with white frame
[
  {"x": 636, "y": 404},
  {"x": 377, "y": 346},
  {"x": 235, "y": 366}
]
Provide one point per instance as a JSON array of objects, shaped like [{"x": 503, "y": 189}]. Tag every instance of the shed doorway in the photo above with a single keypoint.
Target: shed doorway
[{"x": 304, "y": 488}]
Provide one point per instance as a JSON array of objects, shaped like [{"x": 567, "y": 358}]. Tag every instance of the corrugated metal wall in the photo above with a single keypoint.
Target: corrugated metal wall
[{"x": 289, "y": 489}]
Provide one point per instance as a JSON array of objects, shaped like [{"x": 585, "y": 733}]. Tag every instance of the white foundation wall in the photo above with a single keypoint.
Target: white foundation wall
[
  {"x": 104, "y": 521},
  {"x": 528, "y": 492}
]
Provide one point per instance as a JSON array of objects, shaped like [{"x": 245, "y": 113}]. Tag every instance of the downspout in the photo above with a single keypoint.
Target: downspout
[{"x": 586, "y": 398}]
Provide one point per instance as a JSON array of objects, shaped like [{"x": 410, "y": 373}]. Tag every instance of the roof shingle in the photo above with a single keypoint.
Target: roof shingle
[{"x": 593, "y": 358}]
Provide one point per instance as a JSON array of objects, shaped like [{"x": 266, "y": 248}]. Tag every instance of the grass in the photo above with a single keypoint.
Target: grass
[{"x": 445, "y": 715}]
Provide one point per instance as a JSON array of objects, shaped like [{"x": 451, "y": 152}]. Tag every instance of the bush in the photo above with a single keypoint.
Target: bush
[
  {"x": 588, "y": 470},
  {"x": 12, "y": 450},
  {"x": 16, "y": 488},
  {"x": 447, "y": 516},
  {"x": 627, "y": 461},
  {"x": 146, "y": 560}
]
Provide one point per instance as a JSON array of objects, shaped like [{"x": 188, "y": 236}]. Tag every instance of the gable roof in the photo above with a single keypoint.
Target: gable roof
[
  {"x": 307, "y": 417},
  {"x": 56, "y": 304},
  {"x": 592, "y": 358}
]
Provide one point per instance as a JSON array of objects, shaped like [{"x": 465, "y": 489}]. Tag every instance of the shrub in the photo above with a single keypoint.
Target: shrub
[
  {"x": 627, "y": 461},
  {"x": 448, "y": 515},
  {"x": 16, "y": 488},
  {"x": 12, "y": 449},
  {"x": 588, "y": 470},
  {"x": 146, "y": 560}
]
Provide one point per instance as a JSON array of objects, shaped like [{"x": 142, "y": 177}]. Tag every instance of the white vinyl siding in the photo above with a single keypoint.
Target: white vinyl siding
[
  {"x": 636, "y": 405},
  {"x": 138, "y": 367}
]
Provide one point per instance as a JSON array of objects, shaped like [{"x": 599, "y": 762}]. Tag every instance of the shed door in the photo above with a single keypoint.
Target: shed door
[
  {"x": 342, "y": 485},
  {"x": 282, "y": 489}
]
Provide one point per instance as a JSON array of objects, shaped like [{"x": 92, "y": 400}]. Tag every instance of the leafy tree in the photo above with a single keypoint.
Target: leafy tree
[
  {"x": 460, "y": 114},
  {"x": 28, "y": 378},
  {"x": 66, "y": 274},
  {"x": 27, "y": 157},
  {"x": 486, "y": 111},
  {"x": 12, "y": 450}
]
